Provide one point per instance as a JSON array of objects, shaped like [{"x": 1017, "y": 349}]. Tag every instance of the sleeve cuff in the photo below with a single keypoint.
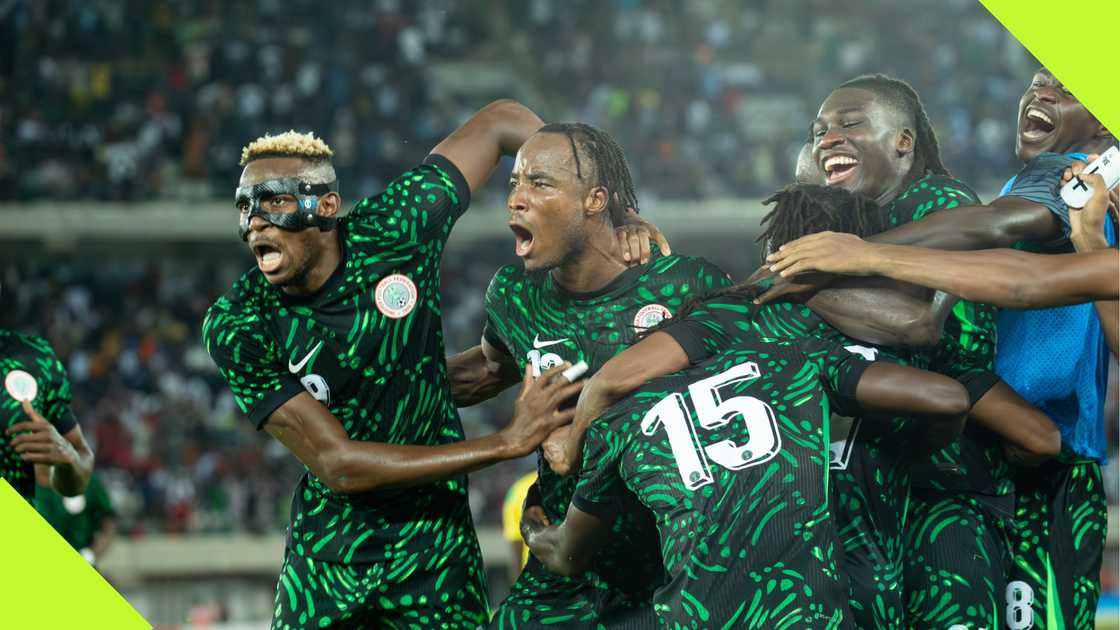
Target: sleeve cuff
[
  {"x": 977, "y": 384},
  {"x": 600, "y": 509},
  {"x": 690, "y": 335},
  {"x": 491, "y": 338},
  {"x": 447, "y": 166},
  {"x": 849, "y": 381},
  {"x": 272, "y": 401},
  {"x": 66, "y": 422}
]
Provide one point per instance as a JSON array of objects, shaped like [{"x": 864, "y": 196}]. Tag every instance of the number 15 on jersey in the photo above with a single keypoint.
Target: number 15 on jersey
[{"x": 712, "y": 412}]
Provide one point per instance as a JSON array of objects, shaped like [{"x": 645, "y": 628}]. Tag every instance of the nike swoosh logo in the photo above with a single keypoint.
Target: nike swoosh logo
[
  {"x": 294, "y": 368},
  {"x": 538, "y": 344}
]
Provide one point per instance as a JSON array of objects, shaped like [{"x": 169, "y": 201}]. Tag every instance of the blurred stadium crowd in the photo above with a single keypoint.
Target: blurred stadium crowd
[
  {"x": 135, "y": 100},
  {"x": 130, "y": 100}
]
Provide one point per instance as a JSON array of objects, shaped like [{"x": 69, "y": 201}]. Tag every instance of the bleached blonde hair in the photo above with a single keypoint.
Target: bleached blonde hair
[
  {"x": 288, "y": 144},
  {"x": 298, "y": 145}
]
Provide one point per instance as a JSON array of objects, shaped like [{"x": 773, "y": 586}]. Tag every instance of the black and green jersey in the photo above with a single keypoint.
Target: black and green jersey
[
  {"x": 540, "y": 324},
  {"x": 731, "y": 457},
  {"x": 76, "y": 519},
  {"x": 24, "y": 357},
  {"x": 868, "y": 455},
  {"x": 974, "y": 463},
  {"x": 369, "y": 346}
]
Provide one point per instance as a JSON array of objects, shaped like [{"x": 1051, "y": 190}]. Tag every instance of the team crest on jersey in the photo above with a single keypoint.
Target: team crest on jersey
[
  {"x": 395, "y": 296},
  {"x": 21, "y": 385},
  {"x": 651, "y": 315}
]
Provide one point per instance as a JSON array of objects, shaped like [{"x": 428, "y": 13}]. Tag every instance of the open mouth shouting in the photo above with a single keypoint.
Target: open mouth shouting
[
  {"x": 1036, "y": 124},
  {"x": 523, "y": 238},
  {"x": 838, "y": 168},
  {"x": 269, "y": 256}
]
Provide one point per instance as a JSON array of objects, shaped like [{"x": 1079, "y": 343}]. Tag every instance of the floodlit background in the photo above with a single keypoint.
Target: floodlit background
[{"x": 121, "y": 124}]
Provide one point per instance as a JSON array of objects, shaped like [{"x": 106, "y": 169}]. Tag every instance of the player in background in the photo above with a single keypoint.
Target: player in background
[
  {"x": 1004, "y": 277},
  {"x": 86, "y": 521},
  {"x": 740, "y": 486},
  {"x": 40, "y": 430},
  {"x": 512, "y": 506},
  {"x": 1052, "y": 356},
  {"x": 573, "y": 299},
  {"x": 333, "y": 345}
]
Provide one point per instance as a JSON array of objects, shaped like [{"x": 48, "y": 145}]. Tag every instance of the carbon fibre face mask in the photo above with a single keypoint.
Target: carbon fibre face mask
[{"x": 248, "y": 201}]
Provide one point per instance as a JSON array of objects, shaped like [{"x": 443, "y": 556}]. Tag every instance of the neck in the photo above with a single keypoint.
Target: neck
[
  {"x": 328, "y": 259},
  {"x": 1091, "y": 145},
  {"x": 597, "y": 263}
]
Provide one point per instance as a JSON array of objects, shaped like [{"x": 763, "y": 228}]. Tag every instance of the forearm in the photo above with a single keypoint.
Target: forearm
[
  {"x": 474, "y": 378},
  {"x": 355, "y": 467},
  {"x": 552, "y": 547},
  {"x": 883, "y": 312},
  {"x": 71, "y": 479},
  {"x": 1005, "y": 222},
  {"x": 1018, "y": 422},
  {"x": 103, "y": 538},
  {"x": 1004, "y": 277}
]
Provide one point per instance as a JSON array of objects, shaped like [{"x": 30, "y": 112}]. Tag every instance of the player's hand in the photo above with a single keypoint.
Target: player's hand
[
  {"x": 537, "y": 412},
  {"x": 827, "y": 252},
  {"x": 533, "y": 519},
  {"x": 556, "y": 453},
  {"x": 634, "y": 237},
  {"x": 38, "y": 442},
  {"x": 1087, "y": 224}
]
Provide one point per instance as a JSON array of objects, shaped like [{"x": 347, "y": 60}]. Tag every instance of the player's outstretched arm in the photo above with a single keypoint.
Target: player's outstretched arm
[
  {"x": 566, "y": 549},
  {"x": 498, "y": 129},
  {"x": 1002, "y": 223},
  {"x": 480, "y": 374},
  {"x": 656, "y": 355},
  {"x": 37, "y": 441},
  {"x": 1031, "y": 436},
  {"x": 939, "y": 401},
  {"x": 1003, "y": 277},
  {"x": 317, "y": 439}
]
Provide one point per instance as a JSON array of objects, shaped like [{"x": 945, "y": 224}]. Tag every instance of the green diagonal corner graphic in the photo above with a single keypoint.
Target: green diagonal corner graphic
[
  {"x": 46, "y": 584},
  {"x": 1076, "y": 42}
]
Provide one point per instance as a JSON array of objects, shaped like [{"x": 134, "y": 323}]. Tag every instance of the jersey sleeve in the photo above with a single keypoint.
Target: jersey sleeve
[
  {"x": 418, "y": 207},
  {"x": 493, "y": 329},
  {"x": 56, "y": 401},
  {"x": 708, "y": 330},
  {"x": 1040, "y": 182},
  {"x": 600, "y": 487},
  {"x": 248, "y": 360},
  {"x": 840, "y": 370}
]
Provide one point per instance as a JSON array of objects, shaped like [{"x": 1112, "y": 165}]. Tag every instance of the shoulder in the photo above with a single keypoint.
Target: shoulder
[
  {"x": 949, "y": 186},
  {"x": 690, "y": 269},
  {"x": 508, "y": 280},
  {"x": 430, "y": 183},
  {"x": 239, "y": 307}
]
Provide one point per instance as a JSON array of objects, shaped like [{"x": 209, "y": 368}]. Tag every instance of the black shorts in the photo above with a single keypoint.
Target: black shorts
[
  {"x": 958, "y": 555},
  {"x": 1061, "y": 520}
]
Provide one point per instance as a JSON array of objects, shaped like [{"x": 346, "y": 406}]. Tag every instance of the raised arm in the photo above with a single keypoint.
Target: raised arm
[
  {"x": 1003, "y": 277},
  {"x": 479, "y": 374},
  {"x": 1087, "y": 233},
  {"x": 498, "y": 129},
  {"x": 318, "y": 440}
]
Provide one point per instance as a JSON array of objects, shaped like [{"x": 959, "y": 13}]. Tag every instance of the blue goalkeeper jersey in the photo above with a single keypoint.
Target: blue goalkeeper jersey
[{"x": 1056, "y": 358}]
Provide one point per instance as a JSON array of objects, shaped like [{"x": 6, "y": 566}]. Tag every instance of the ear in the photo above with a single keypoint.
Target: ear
[
  {"x": 596, "y": 200},
  {"x": 329, "y": 205},
  {"x": 904, "y": 143},
  {"x": 1100, "y": 131}
]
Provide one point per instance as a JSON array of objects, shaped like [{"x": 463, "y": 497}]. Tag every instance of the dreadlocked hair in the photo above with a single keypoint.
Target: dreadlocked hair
[
  {"x": 607, "y": 165},
  {"x": 901, "y": 95},
  {"x": 802, "y": 209}
]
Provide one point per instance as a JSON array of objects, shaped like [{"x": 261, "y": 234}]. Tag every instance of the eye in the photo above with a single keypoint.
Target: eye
[
  {"x": 818, "y": 132},
  {"x": 539, "y": 184},
  {"x": 851, "y": 123},
  {"x": 242, "y": 206},
  {"x": 278, "y": 202}
]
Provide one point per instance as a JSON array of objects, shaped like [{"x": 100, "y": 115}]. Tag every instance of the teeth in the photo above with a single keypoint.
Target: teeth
[
  {"x": 838, "y": 160},
  {"x": 1039, "y": 115}
]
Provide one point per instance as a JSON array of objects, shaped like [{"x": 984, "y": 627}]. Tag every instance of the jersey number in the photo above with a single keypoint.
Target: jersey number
[
  {"x": 1020, "y": 596},
  {"x": 713, "y": 412},
  {"x": 317, "y": 386}
]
